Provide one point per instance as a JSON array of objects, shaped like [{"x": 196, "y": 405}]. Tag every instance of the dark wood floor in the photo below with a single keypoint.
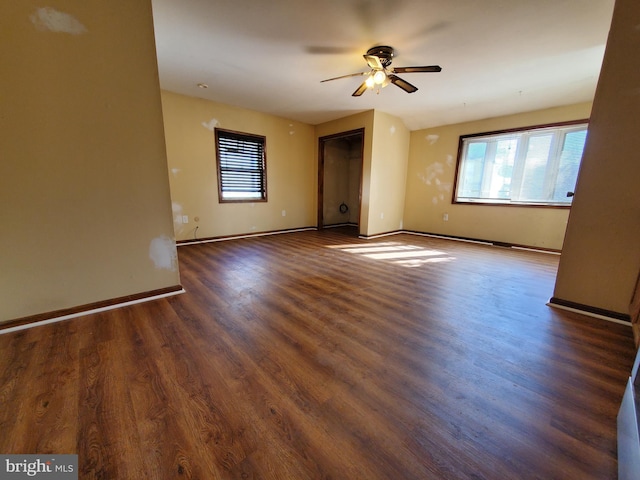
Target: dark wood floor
[{"x": 319, "y": 355}]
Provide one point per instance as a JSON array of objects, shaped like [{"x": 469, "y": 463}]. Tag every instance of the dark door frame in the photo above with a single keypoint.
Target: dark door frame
[{"x": 321, "y": 145}]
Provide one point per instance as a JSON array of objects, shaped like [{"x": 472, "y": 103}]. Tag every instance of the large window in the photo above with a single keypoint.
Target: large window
[
  {"x": 242, "y": 166},
  {"x": 533, "y": 166}
]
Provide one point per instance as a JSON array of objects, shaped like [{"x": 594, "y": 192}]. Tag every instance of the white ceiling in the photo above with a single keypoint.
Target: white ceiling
[{"x": 498, "y": 56}]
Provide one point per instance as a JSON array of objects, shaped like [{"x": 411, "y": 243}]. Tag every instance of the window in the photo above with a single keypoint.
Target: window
[
  {"x": 533, "y": 166},
  {"x": 242, "y": 167}
]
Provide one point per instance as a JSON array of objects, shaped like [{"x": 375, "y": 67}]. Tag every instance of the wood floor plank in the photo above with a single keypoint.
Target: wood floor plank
[
  {"x": 196, "y": 390},
  {"x": 18, "y": 354},
  {"x": 108, "y": 441},
  {"x": 44, "y": 419},
  {"x": 165, "y": 448},
  {"x": 315, "y": 355}
]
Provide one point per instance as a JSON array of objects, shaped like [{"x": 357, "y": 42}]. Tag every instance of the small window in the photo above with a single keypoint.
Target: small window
[
  {"x": 242, "y": 167},
  {"x": 533, "y": 166}
]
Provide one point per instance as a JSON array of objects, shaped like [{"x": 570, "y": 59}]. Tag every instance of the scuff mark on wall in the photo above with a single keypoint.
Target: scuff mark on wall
[
  {"x": 177, "y": 218},
  {"x": 211, "y": 124},
  {"x": 442, "y": 189},
  {"x": 450, "y": 160},
  {"x": 432, "y": 139},
  {"x": 163, "y": 253},
  {"x": 430, "y": 178},
  {"x": 431, "y": 172},
  {"x": 54, "y": 21}
]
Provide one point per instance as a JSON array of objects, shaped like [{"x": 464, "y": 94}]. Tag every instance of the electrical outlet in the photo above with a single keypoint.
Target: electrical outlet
[
  {"x": 445, "y": 217},
  {"x": 185, "y": 218},
  {"x": 284, "y": 213}
]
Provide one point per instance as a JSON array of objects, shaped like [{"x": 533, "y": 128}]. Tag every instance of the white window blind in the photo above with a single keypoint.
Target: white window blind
[{"x": 535, "y": 166}]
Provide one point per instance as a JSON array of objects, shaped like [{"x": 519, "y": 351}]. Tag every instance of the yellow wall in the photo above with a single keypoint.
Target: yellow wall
[
  {"x": 390, "y": 148},
  {"x": 601, "y": 258},
  {"x": 431, "y": 177},
  {"x": 291, "y": 170},
  {"x": 84, "y": 194}
]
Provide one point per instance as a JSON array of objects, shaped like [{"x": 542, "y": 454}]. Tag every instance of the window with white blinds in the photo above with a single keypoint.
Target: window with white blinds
[
  {"x": 530, "y": 166},
  {"x": 242, "y": 166}
]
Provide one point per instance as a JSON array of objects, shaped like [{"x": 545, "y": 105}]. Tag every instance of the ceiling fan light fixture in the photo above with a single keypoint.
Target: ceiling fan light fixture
[
  {"x": 381, "y": 73},
  {"x": 379, "y": 77},
  {"x": 370, "y": 81}
]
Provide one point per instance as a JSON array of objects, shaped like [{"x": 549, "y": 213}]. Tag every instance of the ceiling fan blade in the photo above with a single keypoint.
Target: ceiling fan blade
[
  {"x": 403, "y": 84},
  {"x": 430, "y": 68},
  {"x": 361, "y": 89},
  {"x": 373, "y": 62},
  {"x": 345, "y": 76}
]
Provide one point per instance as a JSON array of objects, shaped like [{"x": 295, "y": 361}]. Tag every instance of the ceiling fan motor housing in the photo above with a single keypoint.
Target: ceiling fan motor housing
[{"x": 384, "y": 53}]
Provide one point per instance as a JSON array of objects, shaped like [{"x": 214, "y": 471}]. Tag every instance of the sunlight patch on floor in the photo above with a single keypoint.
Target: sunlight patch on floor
[
  {"x": 385, "y": 248},
  {"x": 395, "y": 252}
]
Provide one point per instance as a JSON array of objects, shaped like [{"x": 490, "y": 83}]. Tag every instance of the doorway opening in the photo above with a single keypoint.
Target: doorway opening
[{"x": 340, "y": 163}]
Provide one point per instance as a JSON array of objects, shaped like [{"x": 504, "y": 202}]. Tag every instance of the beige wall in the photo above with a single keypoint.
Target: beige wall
[
  {"x": 291, "y": 170},
  {"x": 390, "y": 148},
  {"x": 84, "y": 194},
  {"x": 431, "y": 176},
  {"x": 407, "y": 177},
  {"x": 601, "y": 258}
]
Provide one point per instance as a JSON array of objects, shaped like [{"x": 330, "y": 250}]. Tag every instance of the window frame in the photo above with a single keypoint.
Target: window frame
[
  {"x": 529, "y": 129},
  {"x": 250, "y": 137}
]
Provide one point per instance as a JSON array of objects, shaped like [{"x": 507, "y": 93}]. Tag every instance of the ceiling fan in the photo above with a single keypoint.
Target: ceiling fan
[{"x": 382, "y": 73}]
